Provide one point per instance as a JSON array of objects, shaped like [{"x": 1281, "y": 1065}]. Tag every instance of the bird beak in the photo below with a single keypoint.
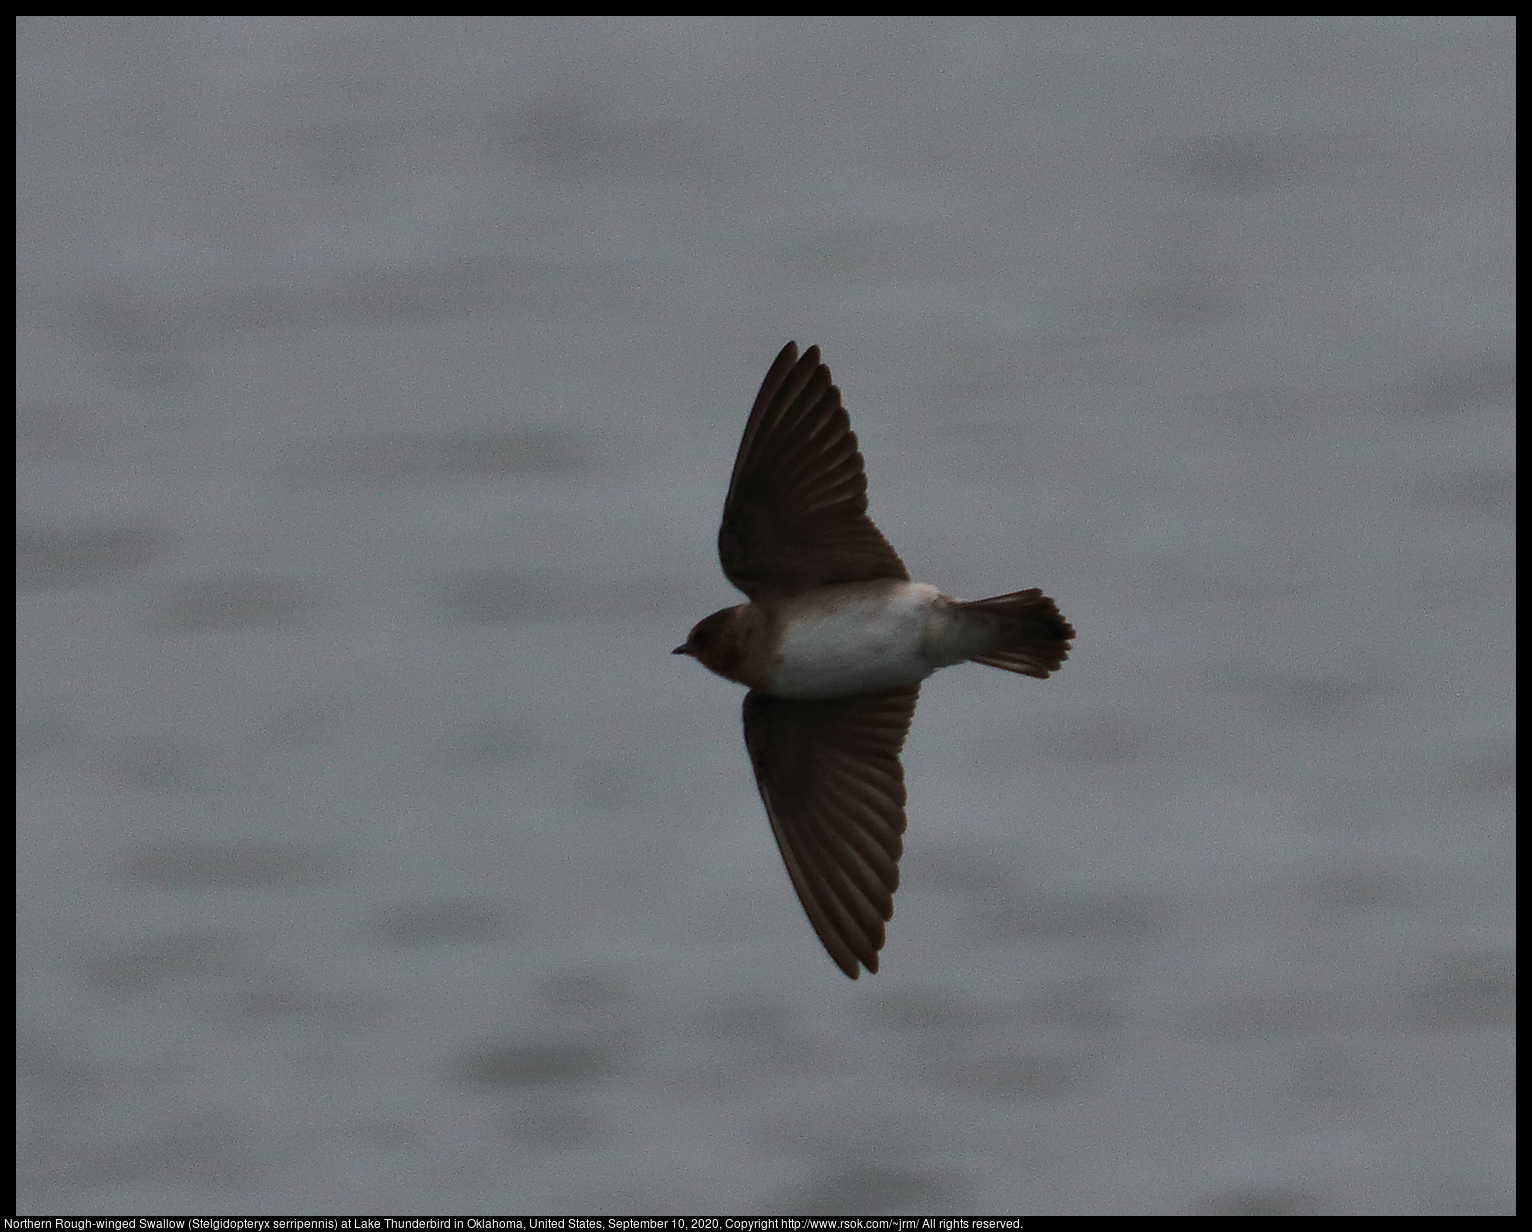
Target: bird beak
[{"x": 681, "y": 649}]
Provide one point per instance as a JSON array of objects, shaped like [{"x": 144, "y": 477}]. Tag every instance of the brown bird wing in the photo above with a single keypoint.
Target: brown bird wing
[
  {"x": 830, "y": 777},
  {"x": 796, "y": 513}
]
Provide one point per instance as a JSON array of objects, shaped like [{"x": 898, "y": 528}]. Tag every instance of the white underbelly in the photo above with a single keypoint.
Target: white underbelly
[{"x": 860, "y": 645}]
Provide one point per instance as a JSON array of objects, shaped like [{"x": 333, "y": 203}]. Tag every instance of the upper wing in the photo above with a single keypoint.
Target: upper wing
[
  {"x": 796, "y": 514},
  {"x": 830, "y": 777}
]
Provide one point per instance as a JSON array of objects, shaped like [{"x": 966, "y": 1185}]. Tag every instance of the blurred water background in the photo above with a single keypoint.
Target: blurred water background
[{"x": 378, "y": 385}]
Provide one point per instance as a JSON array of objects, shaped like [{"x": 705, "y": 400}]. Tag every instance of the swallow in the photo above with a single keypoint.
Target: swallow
[{"x": 833, "y": 646}]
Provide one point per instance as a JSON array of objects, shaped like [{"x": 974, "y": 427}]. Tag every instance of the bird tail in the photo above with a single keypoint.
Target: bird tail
[{"x": 1032, "y": 639}]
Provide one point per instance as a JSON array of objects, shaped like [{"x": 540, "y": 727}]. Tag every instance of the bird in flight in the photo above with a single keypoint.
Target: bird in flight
[{"x": 833, "y": 646}]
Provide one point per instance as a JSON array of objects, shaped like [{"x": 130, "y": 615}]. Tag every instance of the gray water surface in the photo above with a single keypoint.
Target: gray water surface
[{"x": 378, "y": 385}]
